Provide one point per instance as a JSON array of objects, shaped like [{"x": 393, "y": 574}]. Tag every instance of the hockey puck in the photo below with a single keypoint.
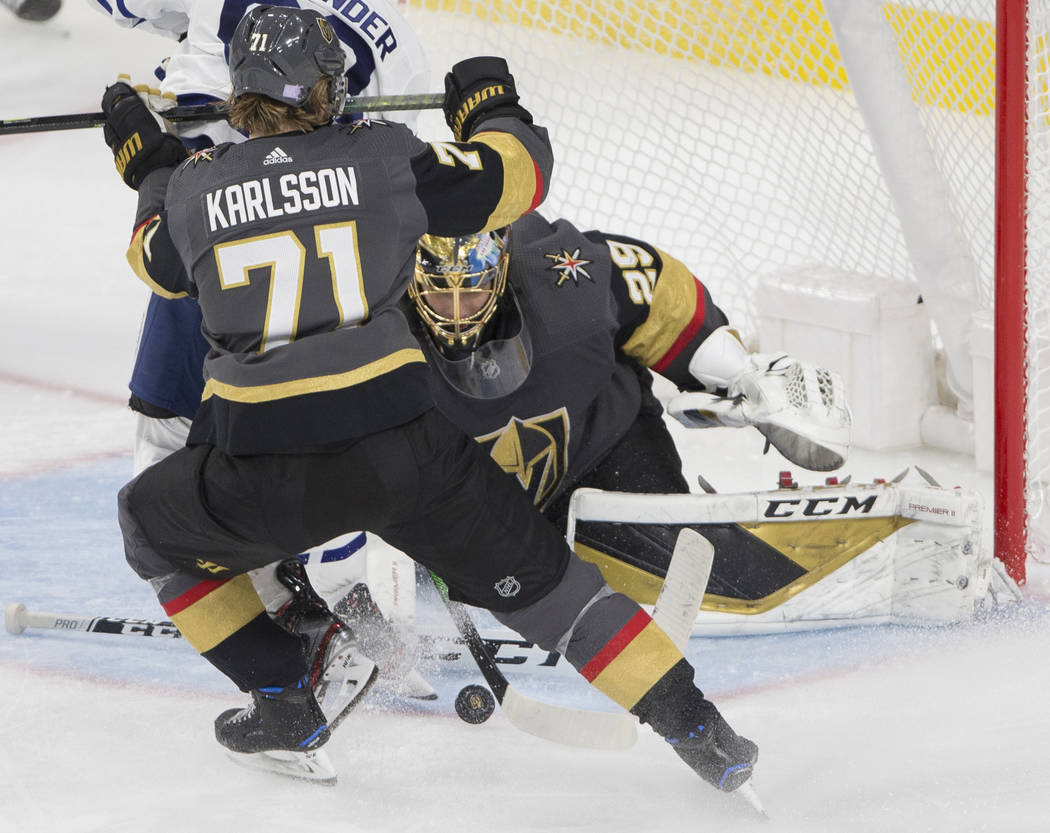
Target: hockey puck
[{"x": 475, "y": 704}]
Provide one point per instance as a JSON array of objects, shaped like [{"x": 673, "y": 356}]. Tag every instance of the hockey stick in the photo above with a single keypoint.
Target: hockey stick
[
  {"x": 503, "y": 650},
  {"x": 687, "y": 576},
  {"x": 684, "y": 586},
  {"x": 572, "y": 727},
  {"x": 212, "y": 112},
  {"x": 679, "y": 602},
  {"x": 17, "y": 619}
]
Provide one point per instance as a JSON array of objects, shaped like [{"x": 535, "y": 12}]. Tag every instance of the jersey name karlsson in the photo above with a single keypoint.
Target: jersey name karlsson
[{"x": 254, "y": 199}]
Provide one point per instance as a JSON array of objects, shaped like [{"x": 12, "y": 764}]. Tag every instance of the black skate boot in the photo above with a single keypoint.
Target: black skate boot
[
  {"x": 279, "y": 718},
  {"x": 339, "y": 673},
  {"x": 713, "y": 750},
  {"x": 678, "y": 710}
]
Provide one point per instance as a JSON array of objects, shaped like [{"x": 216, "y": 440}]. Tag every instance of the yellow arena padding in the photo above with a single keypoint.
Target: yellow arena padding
[{"x": 949, "y": 59}]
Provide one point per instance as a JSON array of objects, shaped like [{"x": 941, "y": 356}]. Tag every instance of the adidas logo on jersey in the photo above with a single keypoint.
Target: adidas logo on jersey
[{"x": 277, "y": 157}]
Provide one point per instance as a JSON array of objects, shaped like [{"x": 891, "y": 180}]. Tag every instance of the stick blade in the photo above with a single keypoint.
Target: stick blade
[{"x": 569, "y": 727}]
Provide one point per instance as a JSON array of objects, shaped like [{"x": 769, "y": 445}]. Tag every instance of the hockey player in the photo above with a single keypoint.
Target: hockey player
[
  {"x": 317, "y": 417},
  {"x": 166, "y": 381},
  {"x": 541, "y": 338},
  {"x": 387, "y": 59}
]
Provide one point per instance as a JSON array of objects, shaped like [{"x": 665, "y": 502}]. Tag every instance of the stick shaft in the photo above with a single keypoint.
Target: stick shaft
[
  {"x": 560, "y": 724},
  {"x": 212, "y": 112},
  {"x": 472, "y": 639},
  {"x": 17, "y": 619}
]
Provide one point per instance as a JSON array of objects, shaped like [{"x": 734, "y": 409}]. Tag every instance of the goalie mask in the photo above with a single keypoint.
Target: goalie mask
[
  {"x": 478, "y": 338},
  {"x": 283, "y": 52},
  {"x": 458, "y": 283}
]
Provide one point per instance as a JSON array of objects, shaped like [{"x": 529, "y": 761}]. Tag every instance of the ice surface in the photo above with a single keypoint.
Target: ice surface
[{"x": 875, "y": 729}]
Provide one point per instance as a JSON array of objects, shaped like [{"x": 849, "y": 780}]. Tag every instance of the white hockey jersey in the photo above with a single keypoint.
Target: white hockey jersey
[{"x": 384, "y": 56}]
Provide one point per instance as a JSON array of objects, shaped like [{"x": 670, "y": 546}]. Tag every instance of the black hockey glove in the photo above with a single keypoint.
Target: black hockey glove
[
  {"x": 138, "y": 143},
  {"x": 477, "y": 89}
]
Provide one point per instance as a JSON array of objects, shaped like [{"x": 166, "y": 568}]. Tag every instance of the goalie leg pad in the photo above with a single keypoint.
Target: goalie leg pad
[{"x": 872, "y": 553}]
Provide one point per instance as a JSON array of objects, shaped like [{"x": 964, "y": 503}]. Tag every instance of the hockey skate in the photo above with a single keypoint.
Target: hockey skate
[
  {"x": 378, "y": 638},
  {"x": 714, "y": 751},
  {"x": 339, "y": 673},
  {"x": 281, "y": 731}
]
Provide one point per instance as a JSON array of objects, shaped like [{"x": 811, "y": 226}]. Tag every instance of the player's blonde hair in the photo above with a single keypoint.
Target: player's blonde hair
[{"x": 259, "y": 115}]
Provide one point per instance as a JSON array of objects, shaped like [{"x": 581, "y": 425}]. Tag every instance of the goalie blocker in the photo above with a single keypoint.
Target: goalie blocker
[{"x": 806, "y": 558}]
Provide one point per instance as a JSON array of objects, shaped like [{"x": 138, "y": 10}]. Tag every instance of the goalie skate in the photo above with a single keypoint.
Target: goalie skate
[
  {"x": 344, "y": 677},
  {"x": 339, "y": 673},
  {"x": 380, "y": 639}
]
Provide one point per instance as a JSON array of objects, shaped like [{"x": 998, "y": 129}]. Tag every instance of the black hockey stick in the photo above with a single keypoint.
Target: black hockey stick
[
  {"x": 211, "y": 112},
  {"x": 573, "y": 727}
]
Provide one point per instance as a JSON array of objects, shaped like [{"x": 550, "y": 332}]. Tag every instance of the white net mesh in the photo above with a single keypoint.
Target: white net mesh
[{"x": 727, "y": 133}]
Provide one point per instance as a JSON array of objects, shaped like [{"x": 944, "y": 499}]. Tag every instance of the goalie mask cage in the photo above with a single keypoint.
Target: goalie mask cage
[{"x": 752, "y": 138}]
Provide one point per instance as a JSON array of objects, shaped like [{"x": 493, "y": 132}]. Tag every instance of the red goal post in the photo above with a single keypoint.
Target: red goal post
[
  {"x": 757, "y": 139},
  {"x": 1021, "y": 278}
]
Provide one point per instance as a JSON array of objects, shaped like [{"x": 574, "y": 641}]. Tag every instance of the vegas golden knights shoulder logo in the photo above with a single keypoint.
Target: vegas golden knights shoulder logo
[
  {"x": 568, "y": 267},
  {"x": 534, "y": 450}
]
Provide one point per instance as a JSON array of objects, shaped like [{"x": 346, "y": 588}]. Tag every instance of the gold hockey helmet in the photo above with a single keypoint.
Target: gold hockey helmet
[{"x": 458, "y": 283}]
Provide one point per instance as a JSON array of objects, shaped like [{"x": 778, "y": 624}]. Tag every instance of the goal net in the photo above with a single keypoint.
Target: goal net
[{"x": 761, "y": 138}]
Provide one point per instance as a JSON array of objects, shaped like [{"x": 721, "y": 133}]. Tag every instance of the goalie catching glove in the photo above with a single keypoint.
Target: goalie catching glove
[
  {"x": 135, "y": 134},
  {"x": 799, "y": 408}
]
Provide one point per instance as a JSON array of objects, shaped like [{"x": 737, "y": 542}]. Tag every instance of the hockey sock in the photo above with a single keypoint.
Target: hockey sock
[{"x": 226, "y": 623}]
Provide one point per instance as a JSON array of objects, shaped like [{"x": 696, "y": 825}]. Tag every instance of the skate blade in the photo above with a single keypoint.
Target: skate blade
[
  {"x": 314, "y": 766},
  {"x": 748, "y": 794}
]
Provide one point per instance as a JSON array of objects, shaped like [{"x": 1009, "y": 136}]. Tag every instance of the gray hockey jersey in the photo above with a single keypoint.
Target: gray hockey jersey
[
  {"x": 298, "y": 248},
  {"x": 598, "y": 309}
]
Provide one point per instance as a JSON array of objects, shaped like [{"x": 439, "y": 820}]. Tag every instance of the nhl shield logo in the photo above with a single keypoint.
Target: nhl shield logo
[{"x": 508, "y": 587}]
